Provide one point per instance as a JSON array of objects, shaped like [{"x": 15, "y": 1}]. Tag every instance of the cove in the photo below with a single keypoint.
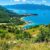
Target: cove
[{"x": 42, "y": 18}]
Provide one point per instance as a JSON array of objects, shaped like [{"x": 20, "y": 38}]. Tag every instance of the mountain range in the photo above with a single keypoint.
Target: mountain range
[{"x": 28, "y": 6}]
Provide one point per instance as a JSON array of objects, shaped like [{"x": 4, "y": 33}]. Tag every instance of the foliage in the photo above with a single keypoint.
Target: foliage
[
  {"x": 7, "y": 16},
  {"x": 44, "y": 34},
  {"x": 14, "y": 37},
  {"x": 11, "y": 31}
]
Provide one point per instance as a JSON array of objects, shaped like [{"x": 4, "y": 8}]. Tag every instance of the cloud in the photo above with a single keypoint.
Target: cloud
[
  {"x": 31, "y": 1},
  {"x": 44, "y": 1},
  {"x": 17, "y": 0},
  {"x": 6, "y": 2},
  {"x": 23, "y": 0}
]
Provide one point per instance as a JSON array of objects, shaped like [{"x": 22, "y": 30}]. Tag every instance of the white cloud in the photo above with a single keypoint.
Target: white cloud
[
  {"x": 23, "y": 0},
  {"x": 17, "y": 0},
  {"x": 44, "y": 1},
  {"x": 31, "y": 1}
]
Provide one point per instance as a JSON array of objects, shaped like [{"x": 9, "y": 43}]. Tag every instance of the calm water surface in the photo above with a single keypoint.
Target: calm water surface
[{"x": 42, "y": 18}]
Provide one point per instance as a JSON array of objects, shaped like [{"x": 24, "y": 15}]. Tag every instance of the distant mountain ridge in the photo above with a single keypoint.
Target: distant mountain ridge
[{"x": 28, "y": 6}]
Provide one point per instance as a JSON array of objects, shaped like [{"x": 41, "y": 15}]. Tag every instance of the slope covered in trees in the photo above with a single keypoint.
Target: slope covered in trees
[{"x": 7, "y": 16}]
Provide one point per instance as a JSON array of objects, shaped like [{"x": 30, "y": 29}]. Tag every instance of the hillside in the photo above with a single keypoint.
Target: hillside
[
  {"x": 14, "y": 37},
  {"x": 7, "y": 16}
]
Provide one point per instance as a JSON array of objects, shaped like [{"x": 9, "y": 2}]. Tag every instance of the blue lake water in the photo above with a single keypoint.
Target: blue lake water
[{"x": 42, "y": 18}]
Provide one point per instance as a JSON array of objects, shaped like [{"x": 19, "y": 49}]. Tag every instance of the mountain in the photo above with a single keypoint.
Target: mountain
[
  {"x": 28, "y": 6},
  {"x": 7, "y": 16}
]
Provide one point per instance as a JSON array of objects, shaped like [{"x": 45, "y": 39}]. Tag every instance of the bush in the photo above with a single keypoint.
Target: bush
[
  {"x": 44, "y": 35},
  {"x": 22, "y": 34},
  {"x": 2, "y": 33}
]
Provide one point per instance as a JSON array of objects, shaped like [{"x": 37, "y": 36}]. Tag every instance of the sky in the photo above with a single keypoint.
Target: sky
[{"x": 12, "y": 2}]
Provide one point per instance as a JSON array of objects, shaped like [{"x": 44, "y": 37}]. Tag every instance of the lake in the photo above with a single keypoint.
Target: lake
[{"x": 43, "y": 17}]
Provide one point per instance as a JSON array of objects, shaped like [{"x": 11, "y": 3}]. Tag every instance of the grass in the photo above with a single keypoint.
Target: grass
[
  {"x": 10, "y": 42},
  {"x": 20, "y": 45},
  {"x": 33, "y": 31},
  {"x": 36, "y": 46},
  {"x": 10, "y": 28}
]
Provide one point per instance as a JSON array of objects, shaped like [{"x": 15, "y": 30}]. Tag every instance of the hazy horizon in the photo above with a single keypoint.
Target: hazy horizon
[{"x": 12, "y": 2}]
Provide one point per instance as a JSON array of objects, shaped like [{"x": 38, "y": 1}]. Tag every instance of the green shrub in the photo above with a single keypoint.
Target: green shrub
[
  {"x": 2, "y": 33},
  {"x": 44, "y": 35},
  {"x": 22, "y": 34}
]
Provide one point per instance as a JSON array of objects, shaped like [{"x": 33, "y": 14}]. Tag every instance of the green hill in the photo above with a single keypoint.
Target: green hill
[{"x": 7, "y": 16}]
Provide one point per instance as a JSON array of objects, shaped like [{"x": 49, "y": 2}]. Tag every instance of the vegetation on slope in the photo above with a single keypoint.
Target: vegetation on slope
[
  {"x": 7, "y": 16},
  {"x": 13, "y": 37}
]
